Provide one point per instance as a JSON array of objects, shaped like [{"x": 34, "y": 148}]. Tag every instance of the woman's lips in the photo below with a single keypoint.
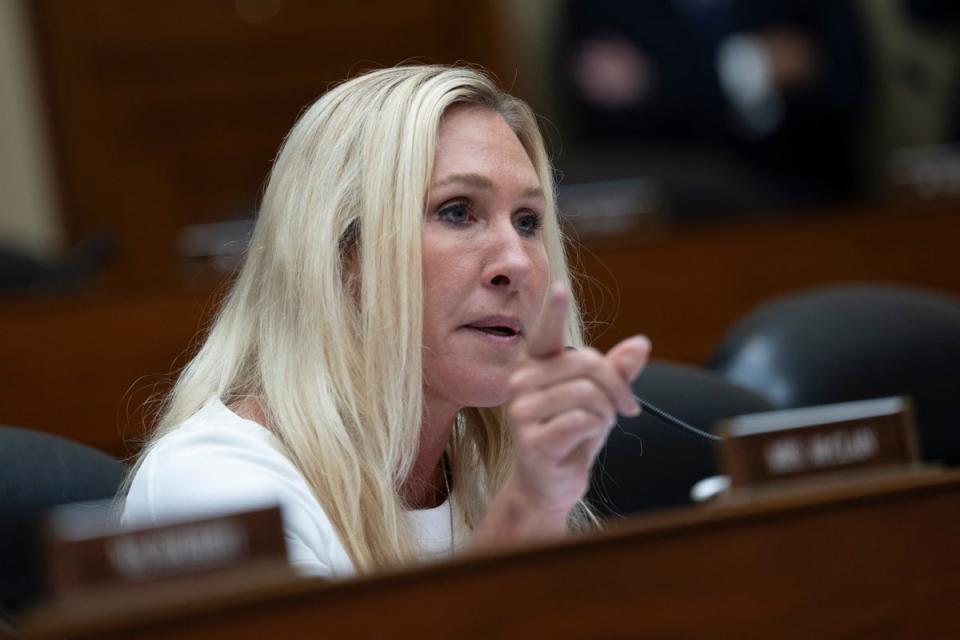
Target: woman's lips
[
  {"x": 497, "y": 323},
  {"x": 498, "y": 329},
  {"x": 495, "y": 335}
]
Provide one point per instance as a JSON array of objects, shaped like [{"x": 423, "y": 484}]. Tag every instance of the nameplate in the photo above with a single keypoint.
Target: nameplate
[
  {"x": 80, "y": 555},
  {"x": 776, "y": 446}
]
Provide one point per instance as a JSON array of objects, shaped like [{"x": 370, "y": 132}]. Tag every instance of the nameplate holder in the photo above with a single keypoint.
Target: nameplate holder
[
  {"x": 782, "y": 446},
  {"x": 87, "y": 554}
]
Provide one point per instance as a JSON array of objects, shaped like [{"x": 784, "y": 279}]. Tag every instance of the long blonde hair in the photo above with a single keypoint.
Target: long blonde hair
[{"x": 336, "y": 368}]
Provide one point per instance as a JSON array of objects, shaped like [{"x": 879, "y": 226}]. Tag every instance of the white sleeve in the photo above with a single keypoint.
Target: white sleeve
[{"x": 213, "y": 470}]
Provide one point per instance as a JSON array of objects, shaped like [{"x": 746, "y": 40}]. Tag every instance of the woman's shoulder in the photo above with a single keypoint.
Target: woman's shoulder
[
  {"x": 217, "y": 462},
  {"x": 213, "y": 458},
  {"x": 214, "y": 428}
]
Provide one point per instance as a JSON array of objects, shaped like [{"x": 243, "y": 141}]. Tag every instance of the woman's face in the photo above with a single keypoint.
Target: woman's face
[{"x": 484, "y": 261}]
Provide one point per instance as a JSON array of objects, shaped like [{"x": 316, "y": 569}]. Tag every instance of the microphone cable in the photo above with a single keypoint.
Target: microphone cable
[
  {"x": 673, "y": 421},
  {"x": 677, "y": 423}
]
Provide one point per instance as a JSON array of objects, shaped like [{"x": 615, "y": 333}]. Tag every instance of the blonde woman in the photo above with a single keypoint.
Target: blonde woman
[{"x": 389, "y": 364}]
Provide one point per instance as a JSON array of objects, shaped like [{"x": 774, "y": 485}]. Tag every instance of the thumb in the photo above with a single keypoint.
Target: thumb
[{"x": 630, "y": 356}]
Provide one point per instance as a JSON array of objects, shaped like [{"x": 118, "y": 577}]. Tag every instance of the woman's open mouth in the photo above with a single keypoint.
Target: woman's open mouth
[
  {"x": 496, "y": 331},
  {"x": 498, "y": 328}
]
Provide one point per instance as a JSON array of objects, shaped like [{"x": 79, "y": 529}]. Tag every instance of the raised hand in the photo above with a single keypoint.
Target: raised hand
[{"x": 562, "y": 404}]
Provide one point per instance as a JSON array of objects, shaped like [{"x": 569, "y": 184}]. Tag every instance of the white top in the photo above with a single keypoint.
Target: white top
[{"x": 216, "y": 462}]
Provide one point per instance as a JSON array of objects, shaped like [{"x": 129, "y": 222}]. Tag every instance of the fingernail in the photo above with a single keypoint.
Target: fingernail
[
  {"x": 558, "y": 292},
  {"x": 634, "y": 408},
  {"x": 637, "y": 366}
]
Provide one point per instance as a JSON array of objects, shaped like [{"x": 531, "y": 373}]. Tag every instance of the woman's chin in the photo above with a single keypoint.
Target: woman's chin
[{"x": 473, "y": 392}]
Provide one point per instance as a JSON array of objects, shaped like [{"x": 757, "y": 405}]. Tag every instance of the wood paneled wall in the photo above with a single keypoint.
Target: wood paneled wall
[
  {"x": 685, "y": 288},
  {"x": 167, "y": 113}
]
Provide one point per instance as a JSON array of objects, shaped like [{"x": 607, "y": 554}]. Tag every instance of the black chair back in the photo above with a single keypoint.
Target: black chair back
[
  {"x": 854, "y": 343},
  {"x": 39, "y": 471},
  {"x": 647, "y": 464}
]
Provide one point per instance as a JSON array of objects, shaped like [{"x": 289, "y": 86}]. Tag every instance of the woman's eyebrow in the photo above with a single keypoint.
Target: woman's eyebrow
[{"x": 482, "y": 182}]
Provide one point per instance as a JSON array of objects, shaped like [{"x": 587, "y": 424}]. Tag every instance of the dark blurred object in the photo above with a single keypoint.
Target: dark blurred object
[
  {"x": 220, "y": 246},
  {"x": 22, "y": 272},
  {"x": 39, "y": 471},
  {"x": 688, "y": 184},
  {"x": 19, "y": 270},
  {"x": 934, "y": 12},
  {"x": 940, "y": 14},
  {"x": 854, "y": 343},
  {"x": 648, "y": 465},
  {"x": 781, "y": 85},
  {"x": 610, "y": 208},
  {"x": 929, "y": 172}
]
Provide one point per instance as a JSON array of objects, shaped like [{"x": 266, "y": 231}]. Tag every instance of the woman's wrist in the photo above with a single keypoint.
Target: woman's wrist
[{"x": 517, "y": 516}]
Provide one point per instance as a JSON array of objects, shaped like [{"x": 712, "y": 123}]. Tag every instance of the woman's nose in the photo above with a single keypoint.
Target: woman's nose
[{"x": 509, "y": 264}]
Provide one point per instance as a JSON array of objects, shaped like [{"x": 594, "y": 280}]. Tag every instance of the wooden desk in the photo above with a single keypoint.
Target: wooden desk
[{"x": 878, "y": 559}]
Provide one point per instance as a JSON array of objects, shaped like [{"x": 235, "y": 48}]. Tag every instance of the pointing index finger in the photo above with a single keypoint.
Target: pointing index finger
[{"x": 550, "y": 335}]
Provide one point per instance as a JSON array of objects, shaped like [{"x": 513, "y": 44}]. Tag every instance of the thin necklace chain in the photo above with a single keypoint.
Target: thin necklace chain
[{"x": 446, "y": 481}]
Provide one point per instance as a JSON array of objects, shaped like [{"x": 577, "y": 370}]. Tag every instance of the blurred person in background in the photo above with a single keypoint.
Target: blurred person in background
[{"x": 780, "y": 85}]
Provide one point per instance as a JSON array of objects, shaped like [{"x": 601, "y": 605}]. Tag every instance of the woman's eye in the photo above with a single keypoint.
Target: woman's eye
[
  {"x": 528, "y": 224},
  {"x": 457, "y": 213}
]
